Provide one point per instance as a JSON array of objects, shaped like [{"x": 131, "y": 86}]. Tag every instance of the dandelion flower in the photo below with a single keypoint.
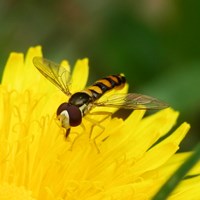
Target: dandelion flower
[{"x": 36, "y": 161}]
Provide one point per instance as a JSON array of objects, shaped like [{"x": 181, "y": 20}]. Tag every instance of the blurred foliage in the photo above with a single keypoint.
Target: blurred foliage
[{"x": 154, "y": 42}]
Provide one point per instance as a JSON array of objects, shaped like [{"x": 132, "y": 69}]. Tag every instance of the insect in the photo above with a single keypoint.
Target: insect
[{"x": 70, "y": 113}]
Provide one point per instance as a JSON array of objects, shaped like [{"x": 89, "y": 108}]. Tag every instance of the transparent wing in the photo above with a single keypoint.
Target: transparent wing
[
  {"x": 55, "y": 73},
  {"x": 132, "y": 101}
]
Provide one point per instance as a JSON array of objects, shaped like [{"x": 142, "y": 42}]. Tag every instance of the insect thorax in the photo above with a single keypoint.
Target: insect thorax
[{"x": 79, "y": 99}]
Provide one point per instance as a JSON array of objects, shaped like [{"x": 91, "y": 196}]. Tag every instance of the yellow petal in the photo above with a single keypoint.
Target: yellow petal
[
  {"x": 12, "y": 71},
  {"x": 188, "y": 189},
  {"x": 16, "y": 67},
  {"x": 12, "y": 192},
  {"x": 161, "y": 152},
  {"x": 37, "y": 161},
  {"x": 80, "y": 75}
]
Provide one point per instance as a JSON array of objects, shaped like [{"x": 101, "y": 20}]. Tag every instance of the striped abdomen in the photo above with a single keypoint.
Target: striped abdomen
[
  {"x": 94, "y": 92},
  {"x": 105, "y": 84}
]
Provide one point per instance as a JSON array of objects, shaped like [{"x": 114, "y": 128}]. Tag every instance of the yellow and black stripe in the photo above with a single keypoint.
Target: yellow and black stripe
[
  {"x": 79, "y": 103},
  {"x": 96, "y": 90},
  {"x": 105, "y": 84}
]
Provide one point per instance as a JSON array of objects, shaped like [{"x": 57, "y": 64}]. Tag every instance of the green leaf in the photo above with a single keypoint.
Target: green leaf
[{"x": 174, "y": 180}]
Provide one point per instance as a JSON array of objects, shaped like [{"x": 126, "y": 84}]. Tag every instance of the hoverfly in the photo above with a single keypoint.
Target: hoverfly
[{"x": 70, "y": 113}]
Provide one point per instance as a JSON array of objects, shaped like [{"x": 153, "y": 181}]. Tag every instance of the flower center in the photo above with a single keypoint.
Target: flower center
[{"x": 13, "y": 192}]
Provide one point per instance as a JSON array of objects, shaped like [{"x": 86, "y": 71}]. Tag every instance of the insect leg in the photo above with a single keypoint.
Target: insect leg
[
  {"x": 77, "y": 136},
  {"x": 97, "y": 123}
]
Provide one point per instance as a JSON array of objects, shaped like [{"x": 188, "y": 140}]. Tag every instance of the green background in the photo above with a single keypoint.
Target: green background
[{"x": 155, "y": 43}]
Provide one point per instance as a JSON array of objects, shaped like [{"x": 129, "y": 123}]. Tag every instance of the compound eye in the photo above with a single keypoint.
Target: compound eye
[
  {"x": 61, "y": 108},
  {"x": 75, "y": 116}
]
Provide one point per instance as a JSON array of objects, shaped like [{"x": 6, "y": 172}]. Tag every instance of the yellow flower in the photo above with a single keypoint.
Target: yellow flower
[{"x": 37, "y": 162}]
